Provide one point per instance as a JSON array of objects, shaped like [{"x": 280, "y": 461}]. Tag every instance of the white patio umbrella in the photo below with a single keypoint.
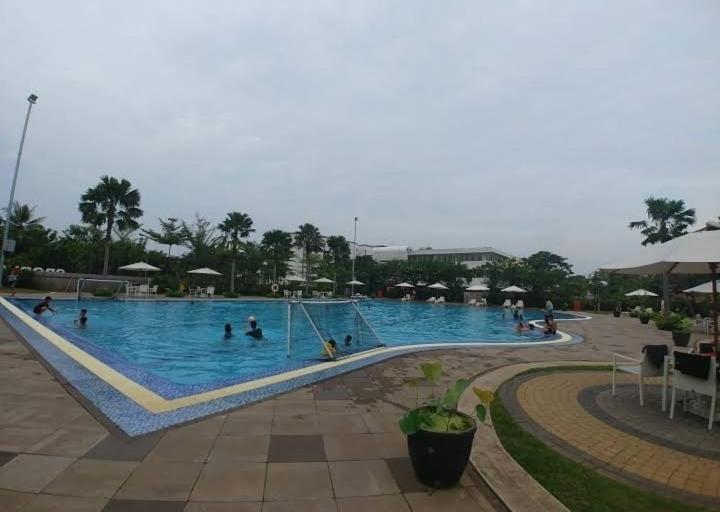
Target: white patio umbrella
[
  {"x": 513, "y": 289},
  {"x": 323, "y": 280},
  {"x": 694, "y": 253},
  {"x": 355, "y": 282},
  {"x": 641, "y": 292},
  {"x": 205, "y": 272},
  {"x": 477, "y": 288},
  {"x": 404, "y": 285},
  {"x": 701, "y": 288},
  {"x": 140, "y": 266},
  {"x": 294, "y": 279},
  {"x": 438, "y": 286}
]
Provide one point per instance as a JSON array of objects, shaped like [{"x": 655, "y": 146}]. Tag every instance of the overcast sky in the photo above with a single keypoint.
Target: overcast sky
[{"x": 525, "y": 125}]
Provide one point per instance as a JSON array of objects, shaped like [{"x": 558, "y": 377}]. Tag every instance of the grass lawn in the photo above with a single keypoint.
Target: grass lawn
[{"x": 577, "y": 487}]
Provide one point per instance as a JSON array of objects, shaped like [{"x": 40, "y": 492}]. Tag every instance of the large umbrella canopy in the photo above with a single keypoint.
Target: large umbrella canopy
[
  {"x": 205, "y": 271},
  {"x": 294, "y": 279},
  {"x": 438, "y": 286},
  {"x": 421, "y": 283},
  {"x": 323, "y": 280},
  {"x": 513, "y": 289},
  {"x": 641, "y": 292},
  {"x": 477, "y": 288},
  {"x": 404, "y": 285},
  {"x": 694, "y": 253},
  {"x": 140, "y": 266},
  {"x": 355, "y": 282},
  {"x": 701, "y": 288}
]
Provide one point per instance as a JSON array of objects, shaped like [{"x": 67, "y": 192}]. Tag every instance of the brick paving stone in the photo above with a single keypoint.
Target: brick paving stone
[
  {"x": 68, "y": 442},
  {"x": 457, "y": 500},
  {"x": 224, "y": 480},
  {"x": 319, "y": 505},
  {"x": 240, "y": 448},
  {"x": 144, "y": 506},
  {"x": 297, "y": 481},
  {"x": 223, "y": 507},
  {"x": 31, "y": 473},
  {"x": 51, "y": 503},
  {"x": 91, "y": 478},
  {"x": 160, "y": 480},
  {"x": 118, "y": 448},
  {"x": 390, "y": 503},
  {"x": 307, "y": 448},
  {"x": 362, "y": 478}
]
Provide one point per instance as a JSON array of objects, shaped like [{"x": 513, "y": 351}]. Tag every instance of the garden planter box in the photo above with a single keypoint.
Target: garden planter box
[
  {"x": 680, "y": 338},
  {"x": 439, "y": 458}
]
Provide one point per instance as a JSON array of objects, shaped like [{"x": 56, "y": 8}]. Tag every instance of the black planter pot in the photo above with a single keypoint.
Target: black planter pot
[
  {"x": 438, "y": 458},
  {"x": 680, "y": 338},
  {"x": 616, "y": 314},
  {"x": 644, "y": 320}
]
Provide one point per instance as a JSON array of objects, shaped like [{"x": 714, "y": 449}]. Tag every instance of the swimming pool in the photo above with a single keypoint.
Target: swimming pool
[{"x": 151, "y": 364}]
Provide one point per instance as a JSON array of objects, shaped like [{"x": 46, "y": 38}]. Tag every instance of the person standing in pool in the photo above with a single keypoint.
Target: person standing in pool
[
  {"x": 81, "y": 320},
  {"x": 255, "y": 331},
  {"x": 43, "y": 306},
  {"x": 228, "y": 331}
]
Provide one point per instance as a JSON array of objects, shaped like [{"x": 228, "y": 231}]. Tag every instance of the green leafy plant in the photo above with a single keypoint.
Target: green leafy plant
[
  {"x": 439, "y": 413},
  {"x": 633, "y": 313},
  {"x": 173, "y": 293},
  {"x": 230, "y": 295},
  {"x": 673, "y": 322},
  {"x": 102, "y": 292},
  {"x": 644, "y": 316}
]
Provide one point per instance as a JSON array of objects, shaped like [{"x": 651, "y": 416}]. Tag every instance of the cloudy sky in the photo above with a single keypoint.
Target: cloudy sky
[{"x": 526, "y": 125}]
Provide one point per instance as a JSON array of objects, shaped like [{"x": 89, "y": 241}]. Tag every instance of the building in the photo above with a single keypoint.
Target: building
[{"x": 471, "y": 257}]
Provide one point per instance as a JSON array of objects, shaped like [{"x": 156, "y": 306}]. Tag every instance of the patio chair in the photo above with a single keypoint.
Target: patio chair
[
  {"x": 507, "y": 303},
  {"x": 210, "y": 291},
  {"x": 194, "y": 291},
  {"x": 698, "y": 374},
  {"x": 315, "y": 294},
  {"x": 440, "y": 300},
  {"x": 154, "y": 289},
  {"x": 483, "y": 303},
  {"x": 651, "y": 365},
  {"x": 431, "y": 299},
  {"x": 709, "y": 326},
  {"x": 698, "y": 319},
  {"x": 472, "y": 302},
  {"x": 287, "y": 294}
]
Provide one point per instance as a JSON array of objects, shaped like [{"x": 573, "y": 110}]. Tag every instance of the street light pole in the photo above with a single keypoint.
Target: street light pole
[
  {"x": 352, "y": 286},
  {"x": 31, "y": 101}
]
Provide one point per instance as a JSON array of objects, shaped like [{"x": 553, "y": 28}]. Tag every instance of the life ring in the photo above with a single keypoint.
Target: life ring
[{"x": 274, "y": 287}]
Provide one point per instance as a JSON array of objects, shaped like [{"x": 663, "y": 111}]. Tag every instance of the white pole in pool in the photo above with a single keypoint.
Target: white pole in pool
[
  {"x": 289, "y": 324},
  {"x": 352, "y": 286}
]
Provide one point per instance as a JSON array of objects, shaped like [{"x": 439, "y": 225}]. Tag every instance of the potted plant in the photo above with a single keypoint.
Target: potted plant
[
  {"x": 679, "y": 325},
  {"x": 440, "y": 437},
  {"x": 644, "y": 317},
  {"x": 617, "y": 310}
]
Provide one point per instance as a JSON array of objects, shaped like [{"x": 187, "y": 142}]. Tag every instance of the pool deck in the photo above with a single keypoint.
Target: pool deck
[{"x": 330, "y": 446}]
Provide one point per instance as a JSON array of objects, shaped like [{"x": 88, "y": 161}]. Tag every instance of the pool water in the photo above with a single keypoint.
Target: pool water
[{"x": 183, "y": 342}]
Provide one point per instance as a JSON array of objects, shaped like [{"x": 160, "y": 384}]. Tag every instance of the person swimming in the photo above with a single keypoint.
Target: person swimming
[
  {"x": 228, "y": 331},
  {"x": 255, "y": 331},
  {"x": 43, "y": 306},
  {"x": 81, "y": 320},
  {"x": 330, "y": 348},
  {"x": 348, "y": 340}
]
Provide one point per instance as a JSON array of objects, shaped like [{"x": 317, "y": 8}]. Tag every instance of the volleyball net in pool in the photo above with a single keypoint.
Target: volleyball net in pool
[{"x": 328, "y": 329}]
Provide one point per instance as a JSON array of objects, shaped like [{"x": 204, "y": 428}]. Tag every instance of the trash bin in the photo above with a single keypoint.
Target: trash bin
[{"x": 577, "y": 305}]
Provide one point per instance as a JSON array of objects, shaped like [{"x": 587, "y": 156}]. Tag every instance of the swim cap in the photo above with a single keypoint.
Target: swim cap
[{"x": 251, "y": 318}]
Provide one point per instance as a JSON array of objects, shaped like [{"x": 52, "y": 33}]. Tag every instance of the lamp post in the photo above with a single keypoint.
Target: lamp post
[
  {"x": 352, "y": 286},
  {"x": 31, "y": 101}
]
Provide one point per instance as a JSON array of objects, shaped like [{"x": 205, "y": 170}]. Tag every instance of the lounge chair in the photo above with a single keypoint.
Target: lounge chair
[
  {"x": 472, "y": 302},
  {"x": 431, "y": 299},
  {"x": 210, "y": 291},
  {"x": 482, "y": 303},
  {"x": 154, "y": 289},
  {"x": 651, "y": 365},
  {"x": 440, "y": 300},
  {"x": 695, "y": 373}
]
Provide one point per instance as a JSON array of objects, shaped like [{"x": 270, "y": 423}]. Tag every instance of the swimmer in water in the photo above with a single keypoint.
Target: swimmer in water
[
  {"x": 255, "y": 331},
  {"x": 348, "y": 340},
  {"x": 81, "y": 320},
  {"x": 43, "y": 306},
  {"x": 228, "y": 331}
]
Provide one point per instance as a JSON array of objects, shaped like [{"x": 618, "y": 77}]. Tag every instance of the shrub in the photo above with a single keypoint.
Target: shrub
[
  {"x": 673, "y": 322},
  {"x": 102, "y": 292},
  {"x": 230, "y": 295},
  {"x": 633, "y": 313},
  {"x": 173, "y": 293}
]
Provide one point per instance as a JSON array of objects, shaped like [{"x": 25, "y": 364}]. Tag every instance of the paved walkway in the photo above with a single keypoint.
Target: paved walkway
[
  {"x": 576, "y": 413},
  {"x": 332, "y": 446}
]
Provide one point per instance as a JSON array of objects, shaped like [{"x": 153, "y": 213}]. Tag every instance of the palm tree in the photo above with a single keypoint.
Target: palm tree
[
  {"x": 199, "y": 237},
  {"x": 171, "y": 233},
  {"x": 667, "y": 218},
  {"x": 277, "y": 245},
  {"x": 235, "y": 227},
  {"x": 111, "y": 202},
  {"x": 337, "y": 254},
  {"x": 22, "y": 219},
  {"x": 309, "y": 239}
]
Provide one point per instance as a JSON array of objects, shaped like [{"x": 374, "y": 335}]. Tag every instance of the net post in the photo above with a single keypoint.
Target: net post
[
  {"x": 289, "y": 327},
  {"x": 357, "y": 310}
]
